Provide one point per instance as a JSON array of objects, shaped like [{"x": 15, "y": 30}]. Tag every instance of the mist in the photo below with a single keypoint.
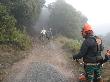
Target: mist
[
  {"x": 102, "y": 29},
  {"x": 43, "y": 20}
]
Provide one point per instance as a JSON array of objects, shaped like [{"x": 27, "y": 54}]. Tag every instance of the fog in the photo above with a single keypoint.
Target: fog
[
  {"x": 97, "y": 12},
  {"x": 102, "y": 29},
  {"x": 43, "y": 20}
]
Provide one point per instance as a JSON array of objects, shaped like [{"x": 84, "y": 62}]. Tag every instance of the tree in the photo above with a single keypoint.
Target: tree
[
  {"x": 8, "y": 32},
  {"x": 7, "y": 23},
  {"x": 66, "y": 19},
  {"x": 26, "y": 12}
]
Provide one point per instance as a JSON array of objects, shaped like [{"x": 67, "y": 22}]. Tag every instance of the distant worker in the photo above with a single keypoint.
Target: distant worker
[
  {"x": 43, "y": 31},
  {"x": 49, "y": 34},
  {"x": 43, "y": 34}
]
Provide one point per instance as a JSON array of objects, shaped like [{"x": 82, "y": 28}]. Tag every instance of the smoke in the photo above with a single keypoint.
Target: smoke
[{"x": 43, "y": 20}]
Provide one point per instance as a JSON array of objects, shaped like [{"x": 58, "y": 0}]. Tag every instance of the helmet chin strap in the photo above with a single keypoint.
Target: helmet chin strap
[{"x": 83, "y": 34}]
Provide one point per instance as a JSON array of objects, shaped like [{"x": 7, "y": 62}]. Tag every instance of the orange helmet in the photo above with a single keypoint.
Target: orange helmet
[{"x": 87, "y": 27}]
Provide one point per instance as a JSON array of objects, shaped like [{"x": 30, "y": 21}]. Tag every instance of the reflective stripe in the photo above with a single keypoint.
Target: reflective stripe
[
  {"x": 90, "y": 75},
  {"x": 99, "y": 77},
  {"x": 91, "y": 63}
]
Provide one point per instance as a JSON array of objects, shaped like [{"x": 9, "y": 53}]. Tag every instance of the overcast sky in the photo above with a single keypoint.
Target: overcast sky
[{"x": 97, "y": 12}]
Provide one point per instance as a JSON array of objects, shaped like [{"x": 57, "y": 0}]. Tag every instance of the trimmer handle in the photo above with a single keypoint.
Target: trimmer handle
[{"x": 77, "y": 60}]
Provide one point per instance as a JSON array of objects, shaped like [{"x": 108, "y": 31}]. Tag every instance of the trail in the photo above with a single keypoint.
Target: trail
[{"x": 44, "y": 64}]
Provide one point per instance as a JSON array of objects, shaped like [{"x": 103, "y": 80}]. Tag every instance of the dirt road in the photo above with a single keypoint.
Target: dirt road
[{"x": 44, "y": 64}]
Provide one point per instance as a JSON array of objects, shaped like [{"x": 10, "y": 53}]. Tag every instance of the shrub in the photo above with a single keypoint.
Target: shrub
[
  {"x": 73, "y": 45},
  {"x": 8, "y": 31}
]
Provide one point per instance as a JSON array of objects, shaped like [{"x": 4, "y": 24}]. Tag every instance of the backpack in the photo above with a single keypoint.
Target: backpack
[{"x": 99, "y": 48}]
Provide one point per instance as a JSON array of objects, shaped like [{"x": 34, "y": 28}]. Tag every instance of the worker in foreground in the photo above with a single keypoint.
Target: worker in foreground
[{"x": 91, "y": 51}]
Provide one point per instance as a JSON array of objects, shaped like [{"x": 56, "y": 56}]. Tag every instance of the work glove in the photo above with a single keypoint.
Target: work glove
[{"x": 74, "y": 57}]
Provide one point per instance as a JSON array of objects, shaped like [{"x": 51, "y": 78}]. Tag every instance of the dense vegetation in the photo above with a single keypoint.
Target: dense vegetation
[
  {"x": 66, "y": 20},
  {"x": 16, "y": 20},
  {"x": 25, "y": 11},
  {"x": 16, "y": 17}
]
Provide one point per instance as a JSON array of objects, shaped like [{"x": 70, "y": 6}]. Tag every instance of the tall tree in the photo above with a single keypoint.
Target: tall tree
[
  {"x": 7, "y": 24},
  {"x": 26, "y": 12},
  {"x": 66, "y": 19}
]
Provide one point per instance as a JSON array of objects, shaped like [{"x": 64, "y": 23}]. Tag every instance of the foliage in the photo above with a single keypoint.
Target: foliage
[
  {"x": 73, "y": 45},
  {"x": 17, "y": 16},
  {"x": 65, "y": 19},
  {"x": 8, "y": 31},
  {"x": 7, "y": 24},
  {"x": 26, "y": 12}
]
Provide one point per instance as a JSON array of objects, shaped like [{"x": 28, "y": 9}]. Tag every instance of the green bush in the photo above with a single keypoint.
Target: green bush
[
  {"x": 73, "y": 45},
  {"x": 61, "y": 39},
  {"x": 8, "y": 31},
  {"x": 22, "y": 39}
]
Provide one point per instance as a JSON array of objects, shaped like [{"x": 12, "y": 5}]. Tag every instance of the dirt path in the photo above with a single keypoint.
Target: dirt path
[{"x": 52, "y": 54}]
